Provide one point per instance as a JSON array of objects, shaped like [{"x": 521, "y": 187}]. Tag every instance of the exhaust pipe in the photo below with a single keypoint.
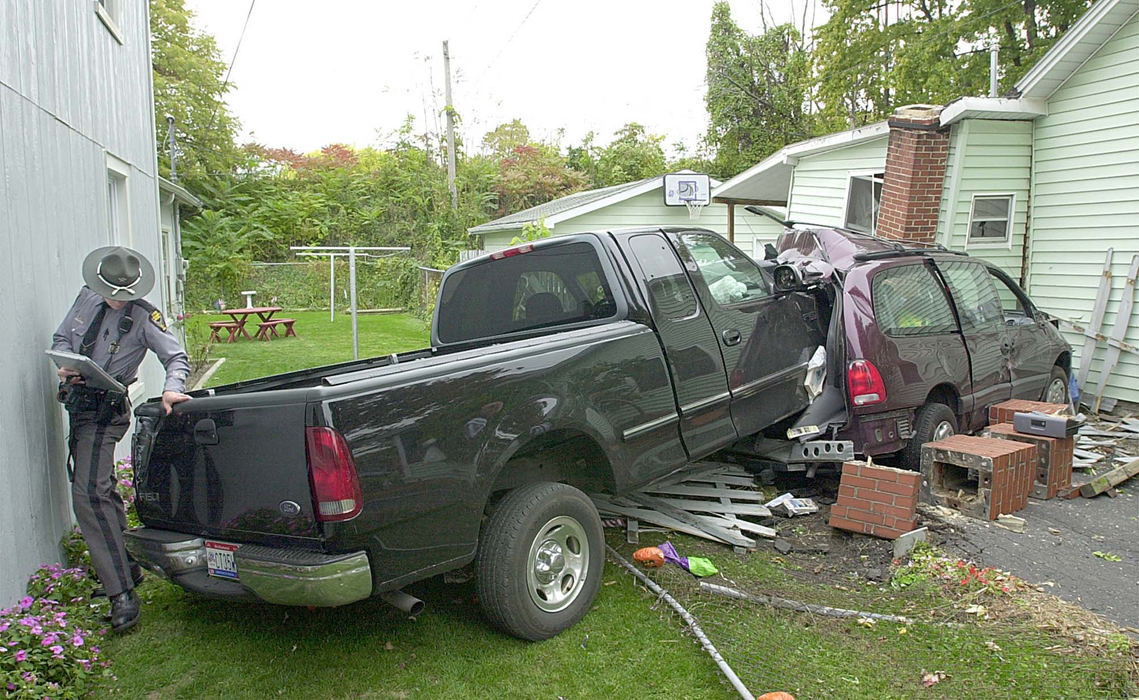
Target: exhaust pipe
[{"x": 407, "y": 603}]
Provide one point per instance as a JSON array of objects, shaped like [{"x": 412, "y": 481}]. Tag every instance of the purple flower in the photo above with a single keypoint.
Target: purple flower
[
  {"x": 4, "y": 626},
  {"x": 21, "y": 655},
  {"x": 57, "y": 651},
  {"x": 25, "y": 602},
  {"x": 77, "y": 639}
]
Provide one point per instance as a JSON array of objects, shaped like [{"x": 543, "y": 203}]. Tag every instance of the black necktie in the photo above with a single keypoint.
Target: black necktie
[{"x": 88, "y": 342}]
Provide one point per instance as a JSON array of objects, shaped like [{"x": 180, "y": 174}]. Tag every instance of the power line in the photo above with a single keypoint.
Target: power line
[
  {"x": 512, "y": 35},
  {"x": 232, "y": 60}
]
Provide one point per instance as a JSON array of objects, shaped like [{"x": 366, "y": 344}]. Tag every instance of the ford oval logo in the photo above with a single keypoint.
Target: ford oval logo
[{"x": 289, "y": 509}]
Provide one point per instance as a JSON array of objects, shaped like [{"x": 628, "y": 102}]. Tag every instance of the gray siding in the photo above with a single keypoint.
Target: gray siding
[
  {"x": 1086, "y": 197},
  {"x": 70, "y": 94}
]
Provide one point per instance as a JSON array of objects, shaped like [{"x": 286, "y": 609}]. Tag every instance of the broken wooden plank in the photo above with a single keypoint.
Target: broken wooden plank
[
  {"x": 1119, "y": 330},
  {"x": 1112, "y": 478},
  {"x": 713, "y": 521},
  {"x": 1101, "y": 297},
  {"x": 1087, "y": 454},
  {"x": 650, "y": 516},
  {"x": 752, "y": 509},
  {"x": 706, "y": 492},
  {"x": 722, "y": 479},
  {"x": 703, "y": 522}
]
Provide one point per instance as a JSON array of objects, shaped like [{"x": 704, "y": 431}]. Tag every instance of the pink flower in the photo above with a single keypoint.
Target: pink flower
[
  {"x": 57, "y": 651},
  {"x": 77, "y": 640},
  {"x": 21, "y": 655},
  {"x": 25, "y": 603}
]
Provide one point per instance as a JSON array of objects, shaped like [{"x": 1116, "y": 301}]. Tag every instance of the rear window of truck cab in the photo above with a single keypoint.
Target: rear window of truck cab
[{"x": 526, "y": 288}]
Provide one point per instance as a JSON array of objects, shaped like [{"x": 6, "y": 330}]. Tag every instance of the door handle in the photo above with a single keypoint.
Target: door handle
[
  {"x": 731, "y": 336},
  {"x": 206, "y": 432},
  {"x": 1006, "y": 348}
]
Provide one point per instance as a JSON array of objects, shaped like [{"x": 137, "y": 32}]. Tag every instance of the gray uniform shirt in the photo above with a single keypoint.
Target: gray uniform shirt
[{"x": 148, "y": 331}]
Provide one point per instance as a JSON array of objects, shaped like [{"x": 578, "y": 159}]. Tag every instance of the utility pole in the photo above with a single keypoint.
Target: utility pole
[{"x": 450, "y": 129}]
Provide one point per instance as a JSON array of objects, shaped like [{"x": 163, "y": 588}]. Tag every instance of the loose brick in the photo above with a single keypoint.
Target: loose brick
[{"x": 1003, "y": 412}]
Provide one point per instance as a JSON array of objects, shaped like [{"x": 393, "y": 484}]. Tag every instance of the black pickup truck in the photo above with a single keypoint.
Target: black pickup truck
[{"x": 587, "y": 363}]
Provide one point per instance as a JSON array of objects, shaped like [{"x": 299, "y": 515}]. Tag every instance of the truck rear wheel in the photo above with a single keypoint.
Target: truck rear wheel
[{"x": 539, "y": 560}]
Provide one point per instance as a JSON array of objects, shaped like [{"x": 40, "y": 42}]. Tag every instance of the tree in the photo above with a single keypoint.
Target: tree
[
  {"x": 189, "y": 84},
  {"x": 632, "y": 155},
  {"x": 534, "y": 174},
  {"x": 873, "y": 56},
  {"x": 758, "y": 89}
]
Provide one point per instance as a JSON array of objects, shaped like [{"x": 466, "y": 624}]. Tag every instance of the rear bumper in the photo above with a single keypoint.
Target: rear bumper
[{"x": 272, "y": 574}]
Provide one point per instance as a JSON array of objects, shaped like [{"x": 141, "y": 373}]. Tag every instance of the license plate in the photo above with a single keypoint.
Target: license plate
[{"x": 220, "y": 560}]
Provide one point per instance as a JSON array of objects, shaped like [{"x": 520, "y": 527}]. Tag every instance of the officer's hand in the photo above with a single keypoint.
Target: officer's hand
[
  {"x": 69, "y": 376},
  {"x": 169, "y": 398}
]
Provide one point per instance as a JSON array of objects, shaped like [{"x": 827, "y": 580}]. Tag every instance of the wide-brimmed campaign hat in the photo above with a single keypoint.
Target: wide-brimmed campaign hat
[{"x": 118, "y": 273}]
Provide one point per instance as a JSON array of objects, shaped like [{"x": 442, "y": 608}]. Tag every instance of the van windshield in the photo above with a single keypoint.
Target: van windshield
[{"x": 548, "y": 286}]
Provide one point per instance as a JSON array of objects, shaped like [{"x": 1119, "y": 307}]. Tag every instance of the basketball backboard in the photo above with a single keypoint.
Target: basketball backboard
[{"x": 682, "y": 189}]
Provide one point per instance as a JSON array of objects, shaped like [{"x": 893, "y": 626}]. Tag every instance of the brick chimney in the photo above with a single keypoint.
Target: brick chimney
[{"x": 915, "y": 170}]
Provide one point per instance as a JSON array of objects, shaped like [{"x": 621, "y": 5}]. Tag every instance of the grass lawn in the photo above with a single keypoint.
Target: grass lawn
[
  {"x": 629, "y": 646},
  {"x": 318, "y": 342}
]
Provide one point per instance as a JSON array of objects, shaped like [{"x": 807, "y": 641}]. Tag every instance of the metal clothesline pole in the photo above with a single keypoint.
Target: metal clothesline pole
[{"x": 351, "y": 252}]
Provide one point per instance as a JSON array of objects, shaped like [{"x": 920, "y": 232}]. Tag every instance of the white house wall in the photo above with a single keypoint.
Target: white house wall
[
  {"x": 987, "y": 157},
  {"x": 1086, "y": 197},
  {"x": 818, "y": 185},
  {"x": 70, "y": 94}
]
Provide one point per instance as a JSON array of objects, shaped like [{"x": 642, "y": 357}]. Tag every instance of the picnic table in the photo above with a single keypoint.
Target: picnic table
[{"x": 266, "y": 328}]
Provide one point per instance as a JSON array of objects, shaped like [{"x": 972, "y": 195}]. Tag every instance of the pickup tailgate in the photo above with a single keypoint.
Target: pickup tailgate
[{"x": 229, "y": 467}]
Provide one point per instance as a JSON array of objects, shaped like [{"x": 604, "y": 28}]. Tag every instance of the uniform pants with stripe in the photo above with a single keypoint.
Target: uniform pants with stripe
[{"x": 97, "y": 503}]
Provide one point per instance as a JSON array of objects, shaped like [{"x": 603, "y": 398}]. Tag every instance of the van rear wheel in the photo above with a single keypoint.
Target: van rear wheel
[
  {"x": 1056, "y": 391},
  {"x": 539, "y": 560},
  {"x": 934, "y": 421}
]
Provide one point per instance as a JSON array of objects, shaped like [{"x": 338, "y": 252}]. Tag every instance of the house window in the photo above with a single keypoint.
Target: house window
[
  {"x": 990, "y": 218},
  {"x": 863, "y": 195},
  {"x": 118, "y": 204},
  {"x": 110, "y": 13}
]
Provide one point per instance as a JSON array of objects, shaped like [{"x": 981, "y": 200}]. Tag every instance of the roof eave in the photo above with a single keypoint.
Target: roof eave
[
  {"x": 1001, "y": 108},
  {"x": 180, "y": 193}
]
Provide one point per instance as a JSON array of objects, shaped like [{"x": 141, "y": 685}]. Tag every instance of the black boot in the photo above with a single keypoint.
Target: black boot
[
  {"x": 136, "y": 578},
  {"x": 124, "y": 611}
]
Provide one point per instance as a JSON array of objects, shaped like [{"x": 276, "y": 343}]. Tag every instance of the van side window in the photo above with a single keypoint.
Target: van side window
[
  {"x": 1012, "y": 299},
  {"x": 909, "y": 301},
  {"x": 974, "y": 294},
  {"x": 731, "y": 277},
  {"x": 670, "y": 293}
]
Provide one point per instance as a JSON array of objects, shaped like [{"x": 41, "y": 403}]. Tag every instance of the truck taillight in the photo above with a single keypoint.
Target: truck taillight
[
  {"x": 336, "y": 490},
  {"x": 865, "y": 383},
  {"x": 511, "y": 252}
]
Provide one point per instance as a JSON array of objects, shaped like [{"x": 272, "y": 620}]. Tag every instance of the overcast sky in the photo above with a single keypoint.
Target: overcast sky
[{"x": 349, "y": 71}]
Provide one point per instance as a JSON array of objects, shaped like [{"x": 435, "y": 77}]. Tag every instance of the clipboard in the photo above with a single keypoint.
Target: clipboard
[{"x": 95, "y": 376}]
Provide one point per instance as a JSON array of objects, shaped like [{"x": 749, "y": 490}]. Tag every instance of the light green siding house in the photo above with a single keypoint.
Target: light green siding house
[
  {"x": 632, "y": 204},
  {"x": 1041, "y": 182}
]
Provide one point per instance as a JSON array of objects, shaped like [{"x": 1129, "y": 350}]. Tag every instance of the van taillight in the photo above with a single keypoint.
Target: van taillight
[
  {"x": 336, "y": 490},
  {"x": 865, "y": 383}
]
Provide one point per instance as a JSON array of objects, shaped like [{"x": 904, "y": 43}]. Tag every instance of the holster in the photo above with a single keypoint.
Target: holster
[{"x": 78, "y": 398}]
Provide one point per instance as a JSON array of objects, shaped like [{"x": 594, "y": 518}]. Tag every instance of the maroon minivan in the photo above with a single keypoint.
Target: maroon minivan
[{"x": 923, "y": 341}]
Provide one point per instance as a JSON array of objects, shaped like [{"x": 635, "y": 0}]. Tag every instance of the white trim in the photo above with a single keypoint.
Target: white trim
[
  {"x": 120, "y": 171},
  {"x": 1034, "y": 81},
  {"x": 1005, "y": 242},
  {"x": 961, "y": 133},
  {"x": 789, "y": 155},
  {"x": 993, "y": 108},
  {"x": 108, "y": 20}
]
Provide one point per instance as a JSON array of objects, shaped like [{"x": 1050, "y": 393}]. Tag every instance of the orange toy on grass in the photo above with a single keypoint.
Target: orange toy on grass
[
  {"x": 777, "y": 695},
  {"x": 651, "y": 557}
]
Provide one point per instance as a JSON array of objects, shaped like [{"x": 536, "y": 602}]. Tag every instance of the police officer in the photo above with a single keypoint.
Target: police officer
[{"x": 112, "y": 324}]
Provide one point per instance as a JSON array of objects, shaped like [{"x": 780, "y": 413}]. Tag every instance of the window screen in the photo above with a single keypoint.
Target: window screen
[
  {"x": 908, "y": 300},
  {"x": 670, "y": 293},
  {"x": 974, "y": 294},
  {"x": 550, "y": 285},
  {"x": 731, "y": 277}
]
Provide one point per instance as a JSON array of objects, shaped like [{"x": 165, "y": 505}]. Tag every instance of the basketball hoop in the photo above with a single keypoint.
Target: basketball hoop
[{"x": 693, "y": 206}]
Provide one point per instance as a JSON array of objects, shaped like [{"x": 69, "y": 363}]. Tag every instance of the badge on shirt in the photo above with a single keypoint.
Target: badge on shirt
[{"x": 156, "y": 317}]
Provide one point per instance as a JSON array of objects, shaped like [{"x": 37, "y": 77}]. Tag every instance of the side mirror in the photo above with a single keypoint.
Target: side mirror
[{"x": 788, "y": 279}]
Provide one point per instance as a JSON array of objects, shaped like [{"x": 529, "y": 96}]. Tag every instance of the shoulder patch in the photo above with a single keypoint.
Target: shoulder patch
[{"x": 156, "y": 318}]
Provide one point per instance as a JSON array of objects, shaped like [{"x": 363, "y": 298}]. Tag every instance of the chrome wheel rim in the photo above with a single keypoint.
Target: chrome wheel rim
[
  {"x": 943, "y": 430},
  {"x": 556, "y": 565},
  {"x": 1057, "y": 392}
]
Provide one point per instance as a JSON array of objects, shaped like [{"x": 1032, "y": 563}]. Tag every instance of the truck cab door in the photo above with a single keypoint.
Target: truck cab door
[
  {"x": 983, "y": 326},
  {"x": 689, "y": 344},
  {"x": 765, "y": 340}
]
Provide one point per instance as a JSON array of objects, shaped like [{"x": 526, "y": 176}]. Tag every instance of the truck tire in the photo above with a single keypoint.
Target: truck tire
[
  {"x": 539, "y": 560},
  {"x": 934, "y": 421}
]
